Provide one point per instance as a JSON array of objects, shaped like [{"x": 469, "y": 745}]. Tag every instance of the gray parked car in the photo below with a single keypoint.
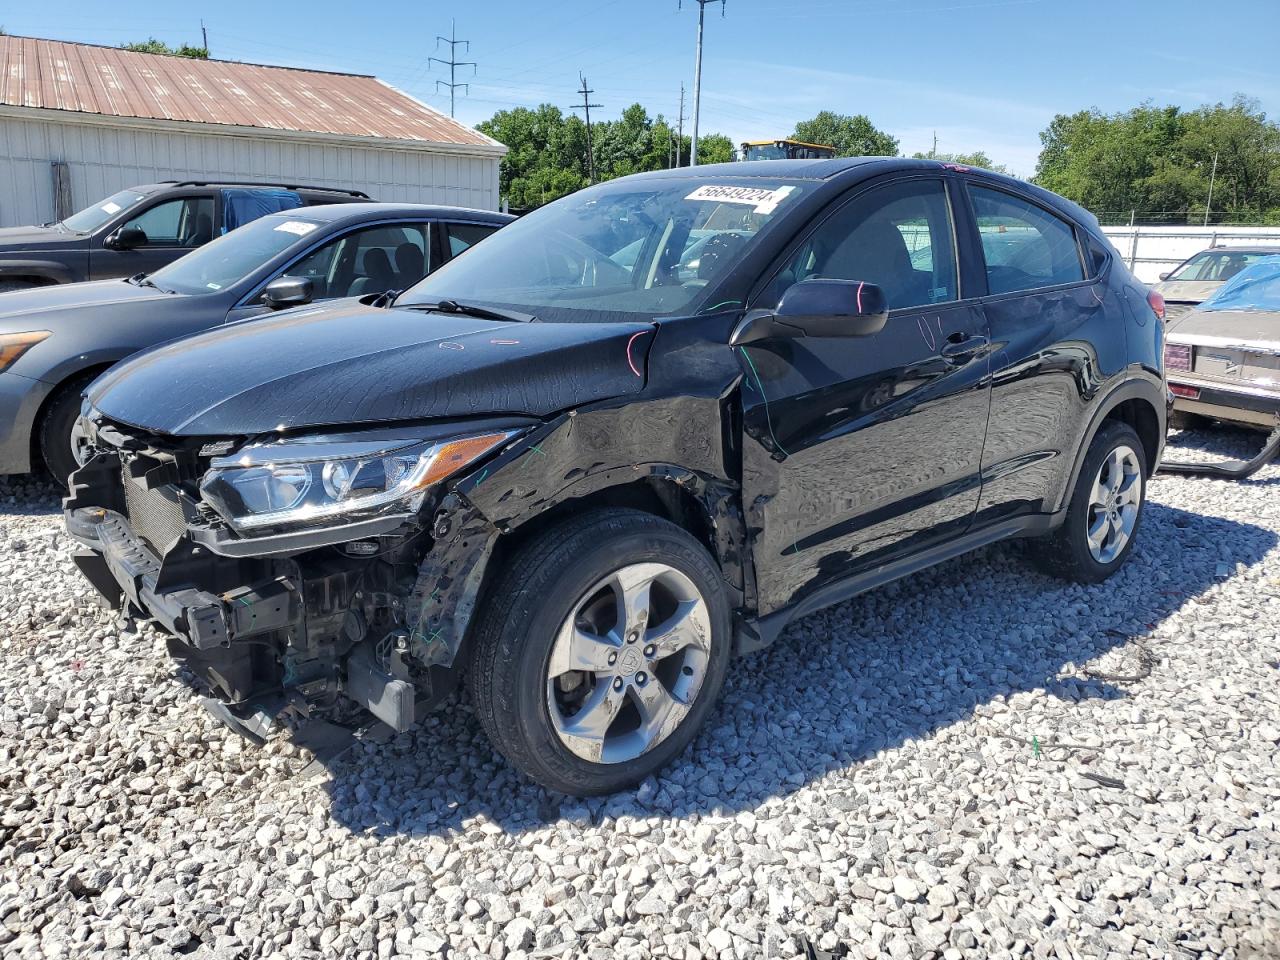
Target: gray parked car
[
  {"x": 1222, "y": 359},
  {"x": 55, "y": 340},
  {"x": 141, "y": 229},
  {"x": 1196, "y": 280}
]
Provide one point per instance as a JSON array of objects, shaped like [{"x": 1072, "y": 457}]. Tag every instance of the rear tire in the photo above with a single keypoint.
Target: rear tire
[
  {"x": 574, "y": 685},
  {"x": 55, "y": 428},
  {"x": 1105, "y": 511}
]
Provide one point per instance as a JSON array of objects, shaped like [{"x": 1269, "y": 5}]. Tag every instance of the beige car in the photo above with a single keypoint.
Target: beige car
[
  {"x": 1222, "y": 358},
  {"x": 1199, "y": 278}
]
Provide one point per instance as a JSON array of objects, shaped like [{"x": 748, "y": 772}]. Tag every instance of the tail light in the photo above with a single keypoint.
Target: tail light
[
  {"x": 1177, "y": 356},
  {"x": 1182, "y": 390},
  {"x": 1156, "y": 301}
]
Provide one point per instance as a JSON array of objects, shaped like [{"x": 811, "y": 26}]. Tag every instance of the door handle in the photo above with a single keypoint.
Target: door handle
[{"x": 959, "y": 347}]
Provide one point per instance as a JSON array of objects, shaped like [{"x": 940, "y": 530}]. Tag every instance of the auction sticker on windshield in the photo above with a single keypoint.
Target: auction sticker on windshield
[
  {"x": 764, "y": 201},
  {"x": 300, "y": 227}
]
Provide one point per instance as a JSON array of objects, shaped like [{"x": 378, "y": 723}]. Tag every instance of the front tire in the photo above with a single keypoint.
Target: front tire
[
  {"x": 1105, "y": 511},
  {"x": 56, "y": 425},
  {"x": 600, "y": 651}
]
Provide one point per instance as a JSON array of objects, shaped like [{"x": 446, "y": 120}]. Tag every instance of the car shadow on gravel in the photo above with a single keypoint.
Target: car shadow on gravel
[{"x": 869, "y": 675}]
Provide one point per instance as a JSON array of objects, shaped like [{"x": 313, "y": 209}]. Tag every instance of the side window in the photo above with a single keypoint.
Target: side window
[
  {"x": 464, "y": 235},
  {"x": 186, "y": 222},
  {"x": 1025, "y": 246},
  {"x": 898, "y": 237},
  {"x": 372, "y": 260}
]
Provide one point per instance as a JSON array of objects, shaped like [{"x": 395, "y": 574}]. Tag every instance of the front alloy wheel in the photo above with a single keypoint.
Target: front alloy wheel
[
  {"x": 628, "y": 663},
  {"x": 600, "y": 651}
]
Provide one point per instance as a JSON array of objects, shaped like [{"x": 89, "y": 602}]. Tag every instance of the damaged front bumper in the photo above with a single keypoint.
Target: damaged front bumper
[{"x": 365, "y": 612}]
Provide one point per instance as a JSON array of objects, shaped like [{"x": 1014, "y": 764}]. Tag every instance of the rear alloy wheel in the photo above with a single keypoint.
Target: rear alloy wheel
[
  {"x": 1114, "y": 502},
  {"x": 600, "y": 651},
  {"x": 1104, "y": 512}
]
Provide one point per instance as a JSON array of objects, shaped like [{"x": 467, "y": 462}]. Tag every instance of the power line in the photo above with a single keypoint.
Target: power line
[
  {"x": 586, "y": 106},
  {"x": 453, "y": 63},
  {"x": 697, "y": 75}
]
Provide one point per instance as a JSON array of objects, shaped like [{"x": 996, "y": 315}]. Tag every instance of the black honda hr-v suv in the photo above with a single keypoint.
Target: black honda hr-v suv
[{"x": 637, "y": 431}]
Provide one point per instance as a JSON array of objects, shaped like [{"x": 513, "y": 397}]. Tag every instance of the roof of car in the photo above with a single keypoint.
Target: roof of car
[
  {"x": 1245, "y": 248},
  {"x": 149, "y": 188},
  {"x": 790, "y": 169},
  {"x": 335, "y": 212}
]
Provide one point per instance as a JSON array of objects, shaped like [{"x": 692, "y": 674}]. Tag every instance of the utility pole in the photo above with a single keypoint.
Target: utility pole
[
  {"x": 680, "y": 127},
  {"x": 697, "y": 76},
  {"x": 933, "y": 154},
  {"x": 1212, "y": 175},
  {"x": 586, "y": 106},
  {"x": 204, "y": 37},
  {"x": 453, "y": 63}
]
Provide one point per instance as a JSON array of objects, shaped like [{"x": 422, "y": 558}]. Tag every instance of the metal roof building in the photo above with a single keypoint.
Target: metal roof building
[{"x": 79, "y": 122}]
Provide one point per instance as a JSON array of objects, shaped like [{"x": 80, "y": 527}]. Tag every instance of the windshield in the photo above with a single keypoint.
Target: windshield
[
  {"x": 91, "y": 218},
  {"x": 766, "y": 151},
  {"x": 1219, "y": 264},
  {"x": 233, "y": 256},
  {"x": 1254, "y": 288},
  {"x": 643, "y": 248}
]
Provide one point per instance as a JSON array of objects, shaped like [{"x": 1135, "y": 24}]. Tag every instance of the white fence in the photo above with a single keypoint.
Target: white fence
[{"x": 1151, "y": 251}]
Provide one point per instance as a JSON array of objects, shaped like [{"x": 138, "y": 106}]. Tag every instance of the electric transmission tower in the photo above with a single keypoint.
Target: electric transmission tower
[
  {"x": 697, "y": 75},
  {"x": 453, "y": 63},
  {"x": 586, "y": 106}
]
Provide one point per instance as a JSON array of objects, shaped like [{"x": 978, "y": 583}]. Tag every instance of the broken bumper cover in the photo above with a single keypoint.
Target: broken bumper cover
[{"x": 126, "y": 572}]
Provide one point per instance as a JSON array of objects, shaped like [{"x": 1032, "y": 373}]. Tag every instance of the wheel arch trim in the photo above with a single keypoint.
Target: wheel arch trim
[{"x": 1144, "y": 389}]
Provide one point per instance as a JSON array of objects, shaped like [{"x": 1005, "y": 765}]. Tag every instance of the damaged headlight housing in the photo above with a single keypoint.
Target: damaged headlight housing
[{"x": 320, "y": 481}]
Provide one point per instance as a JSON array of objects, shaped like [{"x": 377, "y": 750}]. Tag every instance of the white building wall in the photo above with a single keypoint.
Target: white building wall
[{"x": 105, "y": 157}]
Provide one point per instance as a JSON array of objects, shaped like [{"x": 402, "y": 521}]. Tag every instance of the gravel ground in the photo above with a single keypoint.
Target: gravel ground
[{"x": 978, "y": 762}]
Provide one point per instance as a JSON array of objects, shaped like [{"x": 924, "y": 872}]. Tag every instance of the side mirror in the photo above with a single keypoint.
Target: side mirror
[
  {"x": 287, "y": 292},
  {"x": 818, "y": 308},
  {"x": 126, "y": 238},
  {"x": 1166, "y": 276}
]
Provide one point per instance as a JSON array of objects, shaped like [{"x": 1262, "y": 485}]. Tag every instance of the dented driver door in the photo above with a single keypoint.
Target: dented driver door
[{"x": 862, "y": 450}]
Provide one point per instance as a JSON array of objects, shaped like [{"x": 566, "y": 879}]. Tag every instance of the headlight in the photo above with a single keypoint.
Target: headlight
[
  {"x": 308, "y": 481},
  {"x": 14, "y": 345}
]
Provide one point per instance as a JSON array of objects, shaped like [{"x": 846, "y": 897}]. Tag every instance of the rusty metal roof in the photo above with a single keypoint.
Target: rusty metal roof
[{"x": 56, "y": 75}]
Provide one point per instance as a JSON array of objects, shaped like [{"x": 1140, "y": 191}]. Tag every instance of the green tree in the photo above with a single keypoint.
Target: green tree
[
  {"x": 714, "y": 148},
  {"x": 1161, "y": 159},
  {"x": 546, "y": 154},
  {"x": 852, "y": 136},
  {"x": 547, "y": 150},
  {"x": 976, "y": 159},
  {"x": 152, "y": 45}
]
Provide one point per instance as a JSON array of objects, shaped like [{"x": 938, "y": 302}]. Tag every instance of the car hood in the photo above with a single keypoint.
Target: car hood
[
  {"x": 13, "y": 239},
  {"x": 47, "y": 308},
  {"x": 1251, "y": 329},
  {"x": 348, "y": 364},
  {"x": 1188, "y": 291}
]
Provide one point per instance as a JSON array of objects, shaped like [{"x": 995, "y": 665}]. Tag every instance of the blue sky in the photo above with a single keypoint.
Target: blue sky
[{"x": 983, "y": 74}]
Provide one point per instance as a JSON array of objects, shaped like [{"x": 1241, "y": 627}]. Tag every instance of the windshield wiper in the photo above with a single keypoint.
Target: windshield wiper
[
  {"x": 142, "y": 280},
  {"x": 474, "y": 310}
]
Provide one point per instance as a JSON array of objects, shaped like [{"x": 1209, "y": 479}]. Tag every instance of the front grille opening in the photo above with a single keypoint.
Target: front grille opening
[{"x": 155, "y": 516}]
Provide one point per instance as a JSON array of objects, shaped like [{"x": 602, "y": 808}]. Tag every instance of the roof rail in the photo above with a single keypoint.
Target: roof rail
[{"x": 258, "y": 183}]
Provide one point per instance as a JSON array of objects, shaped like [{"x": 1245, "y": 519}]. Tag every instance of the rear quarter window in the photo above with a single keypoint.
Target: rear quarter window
[{"x": 1025, "y": 246}]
